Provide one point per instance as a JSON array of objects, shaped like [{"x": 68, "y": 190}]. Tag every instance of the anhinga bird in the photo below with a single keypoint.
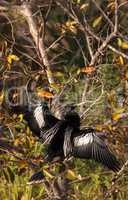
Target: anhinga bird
[{"x": 66, "y": 139}]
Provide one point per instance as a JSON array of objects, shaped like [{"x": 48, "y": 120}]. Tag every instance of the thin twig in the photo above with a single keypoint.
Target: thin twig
[
  {"x": 94, "y": 102},
  {"x": 78, "y": 43},
  {"x": 87, "y": 29},
  {"x": 111, "y": 189}
]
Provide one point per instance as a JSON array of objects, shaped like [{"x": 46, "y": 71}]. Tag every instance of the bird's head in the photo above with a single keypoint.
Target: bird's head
[{"x": 71, "y": 115}]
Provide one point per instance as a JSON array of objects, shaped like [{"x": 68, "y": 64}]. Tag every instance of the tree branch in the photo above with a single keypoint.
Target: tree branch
[{"x": 25, "y": 10}]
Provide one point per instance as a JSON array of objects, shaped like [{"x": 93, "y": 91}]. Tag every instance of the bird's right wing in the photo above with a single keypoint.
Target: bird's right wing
[{"x": 90, "y": 146}]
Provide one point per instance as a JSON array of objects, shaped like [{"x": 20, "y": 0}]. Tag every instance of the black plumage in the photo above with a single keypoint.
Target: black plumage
[
  {"x": 66, "y": 139},
  {"x": 90, "y": 146},
  {"x": 39, "y": 118},
  {"x": 59, "y": 138}
]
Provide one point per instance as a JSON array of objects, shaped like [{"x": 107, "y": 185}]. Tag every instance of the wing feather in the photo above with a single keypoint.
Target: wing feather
[
  {"x": 67, "y": 146},
  {"x": 91, "y": 146},
  {"x": 49, "y": 134},
  {"x": 44, "y": 117},
  {"x": 39, "y": 116}
]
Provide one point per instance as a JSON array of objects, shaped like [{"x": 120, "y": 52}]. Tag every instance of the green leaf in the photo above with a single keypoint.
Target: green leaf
[{"x": 96, "y": 21}]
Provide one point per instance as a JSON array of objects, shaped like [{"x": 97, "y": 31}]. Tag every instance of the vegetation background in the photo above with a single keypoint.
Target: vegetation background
[{"x": 66, "y": 51}]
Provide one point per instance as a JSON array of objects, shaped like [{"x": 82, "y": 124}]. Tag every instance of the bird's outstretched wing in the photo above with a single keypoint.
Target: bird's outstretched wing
[
  {"x": 90, "y": 146},
  {"x": 44, "y": 117}
]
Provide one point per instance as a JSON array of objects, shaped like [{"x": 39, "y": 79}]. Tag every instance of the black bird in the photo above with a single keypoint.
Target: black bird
[{"x": 66, "y": 139}]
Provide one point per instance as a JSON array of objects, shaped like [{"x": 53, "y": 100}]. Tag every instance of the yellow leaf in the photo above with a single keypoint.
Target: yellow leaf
[
  {"x": 99, "y": 127},
  {"x": 20, "y": 117},
  {"x": 111, "y": 5},
  {"x": 96, "y": 21},
  {"x": 58, "y": 74},
  {"x": 110, "y": 127},
  {"x": 48, "y": 174},
  {"x": 118, "y": 114},
  {"x": 70, "y": 25},
  {"x": 16, "y": 142},
  {"x": 27, "y": 130},
  {"x": 122, "y": 44},
  {"x": 11, "y": 58},
  {"x": 120, "y": 110},
  {"x": 71, "y": 174},
  {"x": 120, "y": 60},
  {"x": 84, "y": 6},
  {"x": 1, "y": 97},
  {"x": 76, "y": 1},
  {"x": 78, "y": 71}
]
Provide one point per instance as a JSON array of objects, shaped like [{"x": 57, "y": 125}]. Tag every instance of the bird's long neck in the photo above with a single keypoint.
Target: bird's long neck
[{"x": 73, "y": 119}]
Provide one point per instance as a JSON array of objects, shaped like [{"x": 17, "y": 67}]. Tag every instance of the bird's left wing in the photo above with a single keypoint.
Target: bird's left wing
[
  {"x": 90, "y": 146},
  {"x": 39, "y": 116}
]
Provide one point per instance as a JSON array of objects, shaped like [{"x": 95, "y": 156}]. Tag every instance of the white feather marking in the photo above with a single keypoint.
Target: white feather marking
[
  {"x": 38, "y": 114},
  {"x": 83, "y": 140}
]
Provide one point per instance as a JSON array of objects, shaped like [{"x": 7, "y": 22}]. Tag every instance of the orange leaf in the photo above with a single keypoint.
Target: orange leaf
[
  {"x": 45, "y": 94},
  {"x": 22, "y": 163},
  {"x": 88, "y": 69},
  {"x": 120, "y": 60}
]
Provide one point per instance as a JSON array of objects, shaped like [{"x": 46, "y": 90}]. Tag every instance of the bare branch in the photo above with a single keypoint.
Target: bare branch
[
  {"x": 87, "y": 29},
  {"x": 25, "y": 10},
  {"x": 101, "y": 48},
  {"x": 116, "y": 17},
  {"x": 94, "y": 102},
  {"x": 103, "y": 13},
  {"x": 112, "y": 187},
  {"x": 77, "y": 41}
]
